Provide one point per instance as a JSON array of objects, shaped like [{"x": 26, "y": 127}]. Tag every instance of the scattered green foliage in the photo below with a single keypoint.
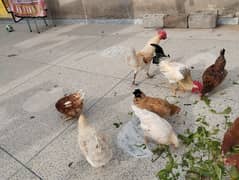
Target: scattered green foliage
[
  {"x": 159, "y": 151},
  {"x": 234, "y": 174},
  {"x": 202, "y": 120},
  {"x": 130, "y": 113},
  {"x": 235, "y": 149},
  {"x": 143, "y": 146},
  {"x": 227, "y": 122},
  {"x": 167, "y": 173},
  {"x": 202, "y": 158},
  {"x": 117, "y": 125},
  {"x": 235, "y": 83},
  {"x": 228, "y": 110},
  {"x": 206, "y": 100},
  {"x": 195, "y": 102}
]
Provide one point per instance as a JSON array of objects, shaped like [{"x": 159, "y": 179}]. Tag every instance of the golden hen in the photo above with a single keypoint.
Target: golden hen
[
  {"x": 71, "y": 105},
  {"x": 159, "y": 106}
]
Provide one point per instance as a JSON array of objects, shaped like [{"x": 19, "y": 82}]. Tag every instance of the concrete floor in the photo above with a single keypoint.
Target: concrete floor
[{"x": 35, "y": 143}]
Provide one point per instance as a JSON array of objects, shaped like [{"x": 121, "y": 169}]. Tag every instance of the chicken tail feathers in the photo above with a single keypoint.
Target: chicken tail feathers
[
  {"x": 174, "y": 140},
  {"x": 222, "y": 52}
]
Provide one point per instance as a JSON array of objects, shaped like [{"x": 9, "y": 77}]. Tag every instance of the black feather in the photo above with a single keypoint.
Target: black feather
[
  {"x": 222, "y": 52},
  {"x": 137, "y": 93},
  {"x": 159, "y": 53}
]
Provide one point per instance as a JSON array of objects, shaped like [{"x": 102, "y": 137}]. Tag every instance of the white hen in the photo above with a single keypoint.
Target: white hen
[
  {"x": 93, "y": 145},
  {"x": 177, "y": 73},
  {"x": 155, "y": 127}
]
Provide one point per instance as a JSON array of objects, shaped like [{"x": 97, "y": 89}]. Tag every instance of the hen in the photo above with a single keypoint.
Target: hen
[
  {"x": 155, "y": 128},
  {"x": 159, "y": 106},
  {"x": 141, "y": 60},
  {"x": 71, "y": 105},
  {"x": 177, "y": 73},
  {"x": 93, "y": 145},
  {"x": 214, "y": 75},
  {"x": 231, "y": 137},
  {"x": 159, "y": 53}
]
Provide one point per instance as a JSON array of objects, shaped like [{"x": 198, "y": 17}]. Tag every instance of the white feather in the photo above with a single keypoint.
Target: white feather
[
  {"x": 94, "y": 146},
  {"x": 172, "y": 70},
  {"x": 156, "y": 127}
]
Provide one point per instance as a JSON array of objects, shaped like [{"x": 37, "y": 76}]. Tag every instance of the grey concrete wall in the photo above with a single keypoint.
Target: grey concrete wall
[{"x": 135, "y": 8}]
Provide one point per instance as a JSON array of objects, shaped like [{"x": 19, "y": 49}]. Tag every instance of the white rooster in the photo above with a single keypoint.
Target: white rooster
[
  {"x": 177, "y": 73},
  {"x": 93, "y": 145},
  {"x": 155, "y": 127}
]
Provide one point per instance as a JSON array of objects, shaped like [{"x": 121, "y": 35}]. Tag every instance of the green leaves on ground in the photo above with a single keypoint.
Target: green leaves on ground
[
  {"x": 202, "y": 158},
  {"x": 143, "y": 146},
  {"x": 206, "y": 100},
  {"x": 117, "y": 125},
  {"x": 167, "y": 173},
  {"x": 228, "y": 110}
]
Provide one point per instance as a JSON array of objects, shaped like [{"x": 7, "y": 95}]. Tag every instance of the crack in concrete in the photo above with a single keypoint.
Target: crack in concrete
[{"x": 21, "y": 163}]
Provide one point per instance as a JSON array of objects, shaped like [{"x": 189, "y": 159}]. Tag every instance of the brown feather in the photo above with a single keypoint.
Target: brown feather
[
  {"x": 214, "y": 74},
  {"x": 157, "y": 105},
  {"x": 70, "y": 105},
  {"x": 231, "y": 137}
]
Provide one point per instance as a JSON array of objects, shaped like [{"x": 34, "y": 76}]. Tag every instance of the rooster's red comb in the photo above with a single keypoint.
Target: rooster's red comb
[{"x": 162, "y": 33}]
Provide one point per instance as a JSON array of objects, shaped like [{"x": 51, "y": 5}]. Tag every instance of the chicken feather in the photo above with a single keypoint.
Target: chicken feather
[
  {"x": 155, "y": 127},
  {"x": 141, "y": 60},
  {"x": 93, "y": 145},
  {"x": 159, "y": 106},
  {"x": 177, "y": 73}
]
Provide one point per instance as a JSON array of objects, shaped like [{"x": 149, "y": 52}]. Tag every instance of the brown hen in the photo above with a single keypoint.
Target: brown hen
[
  {"x": 214, "y": 74},
  {"x": 232, "y": 160},
  {"x": 231, "y": 137},
  {"x": 71, "y": 105},
  {"x": 159, "y": 106}
]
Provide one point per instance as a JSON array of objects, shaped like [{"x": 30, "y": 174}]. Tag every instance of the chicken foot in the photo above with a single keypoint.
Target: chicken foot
[{"x": 133, "y": 83}]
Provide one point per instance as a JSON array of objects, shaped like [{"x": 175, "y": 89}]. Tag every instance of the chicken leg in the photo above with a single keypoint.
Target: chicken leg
[
  {"x": 133, "y": 83},
  {"x": 147, "y": 72}
]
